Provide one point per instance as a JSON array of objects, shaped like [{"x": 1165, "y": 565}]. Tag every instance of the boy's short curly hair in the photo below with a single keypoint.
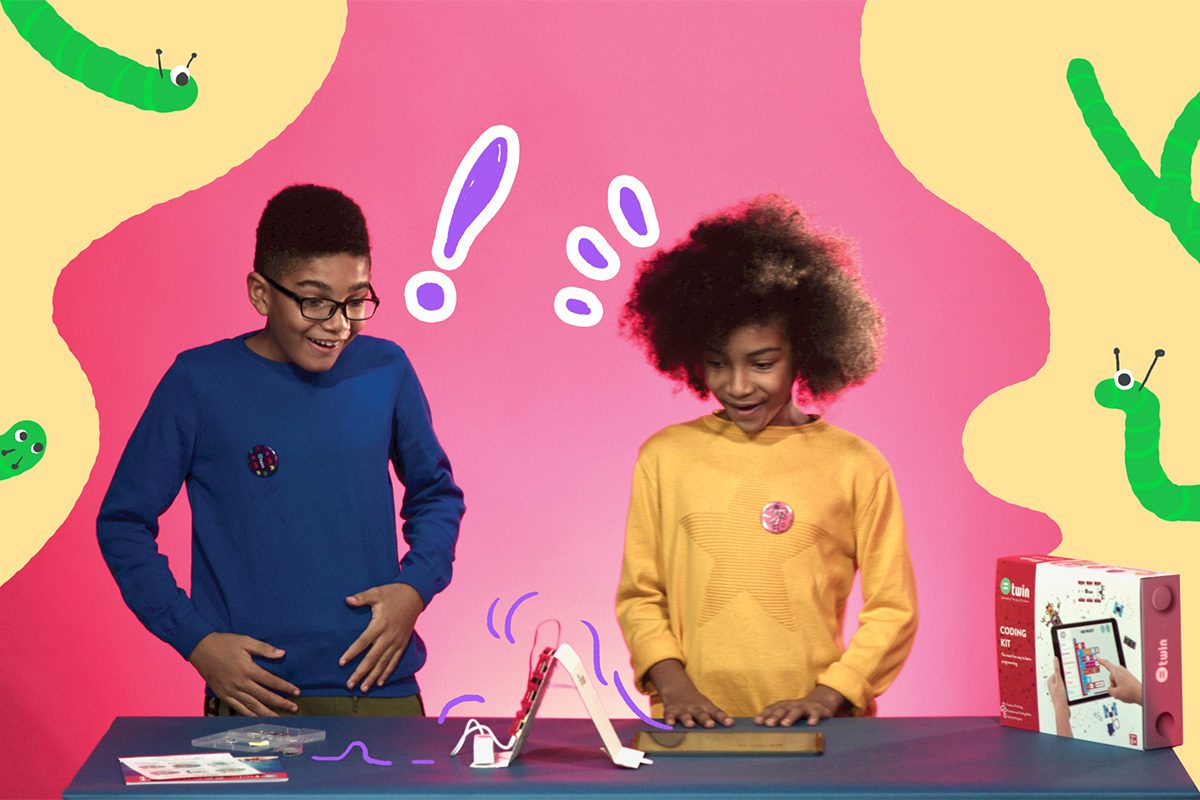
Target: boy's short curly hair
[
  {"x": 306, "y": 221},
  {"x": 756, "y": 263}
]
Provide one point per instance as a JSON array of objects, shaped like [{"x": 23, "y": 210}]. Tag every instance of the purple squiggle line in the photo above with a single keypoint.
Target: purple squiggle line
[
  {"x": 508, "y": 618},
  {"x": 462, "y": 698},
  {"x": 491, "y": 627},
  {"x": 629, "y": 702},
  {"x": 379, "y": 762},
  {"x": 595, "y": 652}
]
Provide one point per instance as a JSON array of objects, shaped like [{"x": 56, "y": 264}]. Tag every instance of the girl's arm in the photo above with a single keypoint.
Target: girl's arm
[
  {"x": 642, "y": 609},
  {"x": 888, "y": 620}
]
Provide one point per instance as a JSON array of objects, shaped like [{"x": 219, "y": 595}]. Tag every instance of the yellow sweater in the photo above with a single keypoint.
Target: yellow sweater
[{"x": 756, "y": 617}]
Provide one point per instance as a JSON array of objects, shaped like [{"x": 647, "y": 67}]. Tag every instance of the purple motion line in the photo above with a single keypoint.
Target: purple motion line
[
  {"x": 595, "y": 652},
  {"x": 423, "y": 761},
  {"x": 632, "y": 209},
  {"x": 481, "y": 185},
  {"x": 462, "y": 698},
  {"x": 509, "y": 616},
  {"x": 379, "y": 762},
  {"x": 491, "y": 626},
  {"x": 629, "y": 702}
]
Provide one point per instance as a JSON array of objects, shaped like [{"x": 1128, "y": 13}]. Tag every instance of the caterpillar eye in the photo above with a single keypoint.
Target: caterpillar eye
[
  {"x": 20, "y": 436},
  {"x": 1123, "y": 379},
  {"x": 180, "y": 76},
  {"x": 37, "y": 447}
]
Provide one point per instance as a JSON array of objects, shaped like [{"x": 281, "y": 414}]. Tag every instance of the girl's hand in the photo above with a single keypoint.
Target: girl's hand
[
  {"x": 692, "y": 709},
  {"x": 818, "y": 704},
  {"x": 682, "y": 701}
]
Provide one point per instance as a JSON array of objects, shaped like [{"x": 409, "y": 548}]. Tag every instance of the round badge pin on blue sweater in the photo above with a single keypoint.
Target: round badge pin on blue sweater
[{"x": 263, "y": 461}]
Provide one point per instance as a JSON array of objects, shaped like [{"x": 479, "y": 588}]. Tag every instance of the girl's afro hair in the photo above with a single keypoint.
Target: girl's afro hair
[{"x": 757, "y": 263}]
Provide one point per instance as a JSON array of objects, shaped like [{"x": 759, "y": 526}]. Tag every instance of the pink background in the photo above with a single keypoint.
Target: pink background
[{"x": 707, "y": 104}]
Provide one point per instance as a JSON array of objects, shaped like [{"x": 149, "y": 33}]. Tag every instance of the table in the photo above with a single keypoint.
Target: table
[{"x": 938, "y": 757}]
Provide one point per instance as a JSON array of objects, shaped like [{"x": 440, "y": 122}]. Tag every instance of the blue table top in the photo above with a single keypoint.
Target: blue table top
[{"x": 937, "y": 757}]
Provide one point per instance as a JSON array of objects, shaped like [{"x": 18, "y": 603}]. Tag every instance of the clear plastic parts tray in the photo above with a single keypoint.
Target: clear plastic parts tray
[{"x": 259, "y": 738}]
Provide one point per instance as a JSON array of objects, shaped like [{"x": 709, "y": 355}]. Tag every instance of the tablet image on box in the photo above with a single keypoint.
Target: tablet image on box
[{"x": 1079, "y": 648}]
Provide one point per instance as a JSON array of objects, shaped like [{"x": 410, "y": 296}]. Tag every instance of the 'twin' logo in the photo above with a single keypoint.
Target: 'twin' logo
[
  {"x": 1161, "y": 673},
  {"x": 1008, "y": 587}
]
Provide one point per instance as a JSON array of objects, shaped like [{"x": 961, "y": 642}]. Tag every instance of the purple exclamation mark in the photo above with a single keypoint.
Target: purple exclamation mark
[{"x": 479, "y": 188}]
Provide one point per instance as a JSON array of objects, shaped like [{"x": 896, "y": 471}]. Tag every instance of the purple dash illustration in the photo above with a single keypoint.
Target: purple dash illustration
[
  {"x": 632, "y": 211},
  {"x": 595, "y": 652},
  {"x": 633, "y": 214},
  {"x": 642, "y": 715},
  {"x": 578, "y": 307},
  {"x": 379, "y": 762},
  {"x": 512, "y": 610},
  {"x": 491, "y": 624},
  {"x": 480, "y": 185},
  {"x": 591, "y": 254},
  {"x": 462, "y": 698},
  {"x": 508, "y": 617}
]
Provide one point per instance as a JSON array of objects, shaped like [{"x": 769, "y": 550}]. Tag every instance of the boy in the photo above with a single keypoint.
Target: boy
[
  {"x": 300, "y": 603},
  {"x": 746, "y": 526}
]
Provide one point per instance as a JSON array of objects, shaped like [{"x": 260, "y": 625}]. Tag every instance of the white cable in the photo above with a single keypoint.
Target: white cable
[{"x": 475, "y": 726}]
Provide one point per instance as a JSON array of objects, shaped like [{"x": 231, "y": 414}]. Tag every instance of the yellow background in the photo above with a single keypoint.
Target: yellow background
[
  {"x": 77, "y": 163},
  {"x": 973, "y": 99}
]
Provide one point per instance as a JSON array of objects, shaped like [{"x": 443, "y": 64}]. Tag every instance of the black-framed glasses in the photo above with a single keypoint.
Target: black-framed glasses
[{"x": 320, "y": 309}]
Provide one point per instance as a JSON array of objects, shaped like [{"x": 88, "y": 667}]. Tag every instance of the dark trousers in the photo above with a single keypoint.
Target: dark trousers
[{"x": 341, "y": 706}]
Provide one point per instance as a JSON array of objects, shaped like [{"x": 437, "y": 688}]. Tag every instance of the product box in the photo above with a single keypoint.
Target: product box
[{"x": 1089, "y": 650}]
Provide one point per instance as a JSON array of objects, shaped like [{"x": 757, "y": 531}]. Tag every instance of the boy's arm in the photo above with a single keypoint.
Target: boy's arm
[
  {"x": 432, "y": 509},
  {"x": 433, "y": 503},
  {"x": 147, "y": 479},
  {"x": 888, "y": 620},
  {"x": 642, "y": 609},
  {"x": 155, "y": 464}
]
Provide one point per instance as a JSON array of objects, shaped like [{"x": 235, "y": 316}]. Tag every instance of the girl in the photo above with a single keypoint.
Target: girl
[{"x": 746, "y": 526}]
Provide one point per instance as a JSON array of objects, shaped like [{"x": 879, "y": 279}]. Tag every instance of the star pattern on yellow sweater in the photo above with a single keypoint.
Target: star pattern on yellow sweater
[{"x": 747, "y": 559}]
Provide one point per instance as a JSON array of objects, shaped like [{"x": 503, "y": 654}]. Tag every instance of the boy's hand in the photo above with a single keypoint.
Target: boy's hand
[
  {"x": 223, "y": 660},
  {"x": 1122, "y": 685},
  {"x": 394, "y": 611},
  {"x": 821, "y": 702},
  {"x": 682, "y": 701}
]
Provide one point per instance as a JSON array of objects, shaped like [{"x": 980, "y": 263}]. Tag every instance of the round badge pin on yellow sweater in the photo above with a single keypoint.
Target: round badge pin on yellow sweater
[{"x": 776, "y": 517}]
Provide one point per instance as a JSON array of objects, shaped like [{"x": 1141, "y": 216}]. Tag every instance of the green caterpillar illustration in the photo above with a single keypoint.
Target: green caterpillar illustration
[
  {"x": 99, "y": 68},
  {"x": 21, "y": 448},
  {"x": 1167, "y": 195},
  {"x": 1143, "y": 468}
]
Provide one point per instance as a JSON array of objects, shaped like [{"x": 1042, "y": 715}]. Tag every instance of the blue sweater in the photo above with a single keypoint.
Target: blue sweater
[{"x": 275, "y": 555}]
